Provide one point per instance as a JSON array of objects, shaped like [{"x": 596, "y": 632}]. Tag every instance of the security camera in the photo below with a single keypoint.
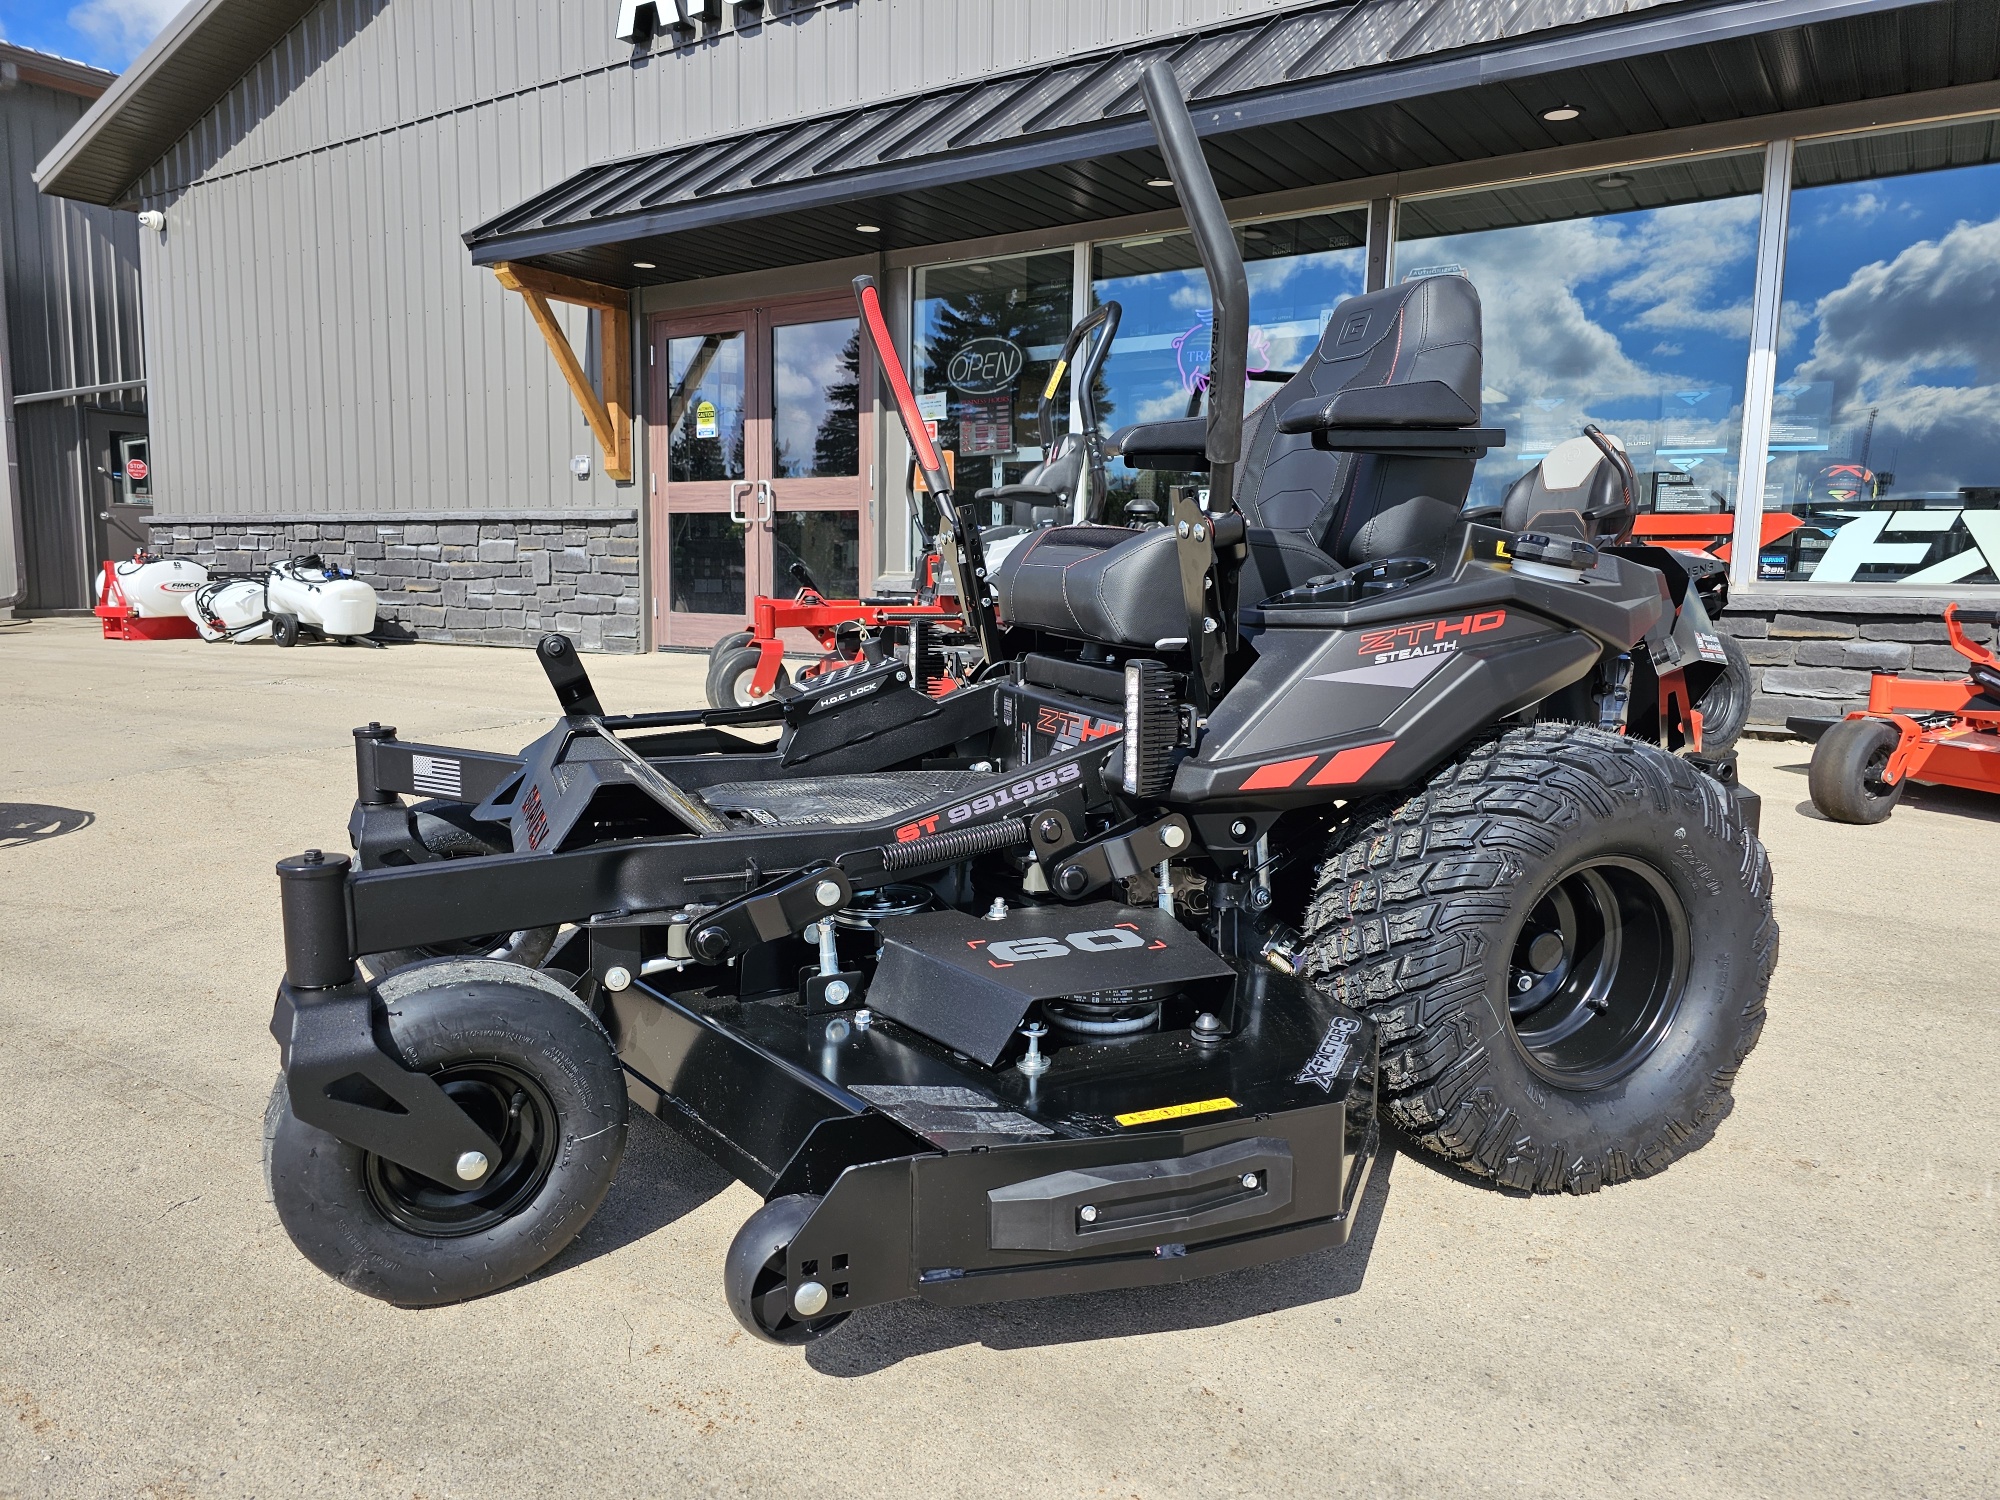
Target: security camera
[{"x": 152, "y": 219}]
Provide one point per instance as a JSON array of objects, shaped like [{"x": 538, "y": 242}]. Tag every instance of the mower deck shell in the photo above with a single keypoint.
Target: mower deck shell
[{"x": 960, "y": 1183}]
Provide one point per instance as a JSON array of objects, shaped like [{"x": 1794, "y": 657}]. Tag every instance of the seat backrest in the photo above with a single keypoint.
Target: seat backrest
[
  {"x": 1573, "y": 477},
  {"x": 1406, "y": 356}
]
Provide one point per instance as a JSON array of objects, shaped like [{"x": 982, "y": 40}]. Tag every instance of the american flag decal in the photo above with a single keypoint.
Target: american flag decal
[{"x": 437, "y": 775}]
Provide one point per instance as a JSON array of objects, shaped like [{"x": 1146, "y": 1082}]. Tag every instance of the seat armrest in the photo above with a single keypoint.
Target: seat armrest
[
  {"x": 1322, "y": 414},
  {"x": 1180, "y": 444}
]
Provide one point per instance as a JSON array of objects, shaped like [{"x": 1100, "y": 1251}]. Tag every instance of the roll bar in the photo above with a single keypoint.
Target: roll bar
[
  {"x": 1084, "y": 382},
  {"x": 1228, "y": 287}
]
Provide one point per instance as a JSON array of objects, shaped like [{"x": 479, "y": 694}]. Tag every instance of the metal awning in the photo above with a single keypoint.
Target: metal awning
[{"x": 1341, "y": 91}]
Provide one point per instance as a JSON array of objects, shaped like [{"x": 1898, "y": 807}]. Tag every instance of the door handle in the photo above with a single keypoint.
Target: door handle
[
  {"x": 736, "y": 490},
  {"x": 767, "y": 499}
]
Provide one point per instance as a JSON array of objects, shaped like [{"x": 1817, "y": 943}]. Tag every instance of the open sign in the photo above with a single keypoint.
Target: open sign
[{"x": 985, "y": 367}]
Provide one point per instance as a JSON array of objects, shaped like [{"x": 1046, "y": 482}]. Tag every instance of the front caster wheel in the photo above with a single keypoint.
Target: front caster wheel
[
  {"x": 534, "y": 1068},
  {"x": 1848, "y": 777},
  {"x": 753, "y": 1277}
]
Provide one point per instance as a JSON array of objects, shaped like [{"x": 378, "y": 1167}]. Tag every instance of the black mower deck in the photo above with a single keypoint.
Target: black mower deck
[{"x": 1149, "y": 1158}]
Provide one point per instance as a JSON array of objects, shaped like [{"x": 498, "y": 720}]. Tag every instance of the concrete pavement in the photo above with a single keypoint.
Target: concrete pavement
[{"x": 1805, "y": 1307}]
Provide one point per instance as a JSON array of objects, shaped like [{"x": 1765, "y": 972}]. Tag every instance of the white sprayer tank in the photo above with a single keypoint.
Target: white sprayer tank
[
  {"x": 333, "y": 602},
  {"x": 158, "y": 587}
]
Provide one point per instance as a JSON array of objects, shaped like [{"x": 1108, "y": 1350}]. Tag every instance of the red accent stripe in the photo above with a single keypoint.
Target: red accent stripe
[
  {"x": 1277, "y": 774},
  {"x": 1350, "y": 766},
  {"x": 899, "y": 383}
]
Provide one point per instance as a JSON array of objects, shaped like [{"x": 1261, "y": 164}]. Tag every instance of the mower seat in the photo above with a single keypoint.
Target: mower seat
[
  {"x": 1096, "y": 583},
  {"x": 1575, "y": 487},
  {"x": 1405, "y": 357},
  {"x": 1046, "y": 491}
]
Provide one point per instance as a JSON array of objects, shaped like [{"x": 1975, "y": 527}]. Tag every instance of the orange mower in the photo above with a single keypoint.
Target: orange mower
[{"x": 1914, "y": 729}]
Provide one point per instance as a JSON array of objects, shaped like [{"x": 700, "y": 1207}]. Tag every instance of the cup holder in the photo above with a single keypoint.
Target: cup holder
[{"x": 1353, "y": 585}]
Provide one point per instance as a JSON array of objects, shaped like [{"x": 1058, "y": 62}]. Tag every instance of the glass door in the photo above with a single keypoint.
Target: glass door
[
  {"x": 760, "y": 459},
  {"x": 705, "y": 492},
  {"x": 815, "y": 517}
]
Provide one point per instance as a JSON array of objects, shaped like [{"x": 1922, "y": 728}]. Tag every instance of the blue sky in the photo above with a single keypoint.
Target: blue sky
[{"x": 105, "y": 33}]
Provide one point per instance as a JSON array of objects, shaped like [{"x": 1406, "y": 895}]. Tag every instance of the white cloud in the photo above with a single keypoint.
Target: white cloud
[
  {"x": 1884, "y": 337},
  {"x": 123, "y": 27}
]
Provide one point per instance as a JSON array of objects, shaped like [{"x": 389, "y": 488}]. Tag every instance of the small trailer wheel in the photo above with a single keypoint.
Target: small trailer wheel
[
  {"x": 729, "y": 682},
  {"x": 716, "y": 653},
  {"x": 535, "y": 1069},
  {"x": 285, "y": 629},
  {"x": 1850, "y": 766},
  {"x": 753, "y": 1276}
]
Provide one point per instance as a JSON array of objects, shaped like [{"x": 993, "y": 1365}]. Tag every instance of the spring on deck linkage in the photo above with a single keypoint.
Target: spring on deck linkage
[{"x": 960, "y": 843}]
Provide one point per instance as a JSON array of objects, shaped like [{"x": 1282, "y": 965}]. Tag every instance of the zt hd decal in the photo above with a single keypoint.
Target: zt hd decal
[
  {"x": 1072, "y": 729},
  {"x": 1427, "y": 637},
  {"x": 1333, "y": 1049}
]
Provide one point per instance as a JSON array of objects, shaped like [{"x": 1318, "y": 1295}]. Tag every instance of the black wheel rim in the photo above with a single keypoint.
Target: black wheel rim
[
  {"x": 1597, "y": 972},
  {"x": 511, "y": 1108},
  {"x": 1875, "y": 784},
  {"x": 771, "y": 1306}
]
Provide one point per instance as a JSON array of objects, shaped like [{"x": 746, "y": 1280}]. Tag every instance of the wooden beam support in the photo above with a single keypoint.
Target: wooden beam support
[
  {"x": 609, "y": 415},
  {"x": 559, "y": 288}
]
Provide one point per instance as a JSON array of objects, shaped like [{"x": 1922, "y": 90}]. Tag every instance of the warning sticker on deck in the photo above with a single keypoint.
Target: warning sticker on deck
[{"x": 1175, "y": 1112}]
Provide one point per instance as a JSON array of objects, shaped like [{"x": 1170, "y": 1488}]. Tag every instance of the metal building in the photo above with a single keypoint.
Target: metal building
[
  {"x": 72, "y": 368},
  {"x": 540, "y": 317}
]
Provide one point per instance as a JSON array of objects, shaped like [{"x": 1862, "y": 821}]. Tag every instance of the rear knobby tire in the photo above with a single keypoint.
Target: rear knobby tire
[
  {"x": 1849, "y": 765},
  {"x": 535, "y": 1068},
  {"x": 1612, "y": 891}
]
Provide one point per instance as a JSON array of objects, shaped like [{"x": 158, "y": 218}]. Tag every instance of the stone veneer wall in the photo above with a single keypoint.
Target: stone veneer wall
[
  {"x": 477, "y": 580},
  {"x": 1812, "y": 654}
]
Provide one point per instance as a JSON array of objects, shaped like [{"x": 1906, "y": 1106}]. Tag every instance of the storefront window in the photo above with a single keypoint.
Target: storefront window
[
  {"x": 1620, "y": 298},
  {"x": 987, "y": 334},
  {"x": 1158, "y": 369},
  {"x": 1885, "y": 432},
  {"x": 815, "y": 394},
  {"x": 705, "y": 407}
]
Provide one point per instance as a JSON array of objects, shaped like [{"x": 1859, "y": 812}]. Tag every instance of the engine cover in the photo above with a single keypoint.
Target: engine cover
[{"x": 967, "y": 981}]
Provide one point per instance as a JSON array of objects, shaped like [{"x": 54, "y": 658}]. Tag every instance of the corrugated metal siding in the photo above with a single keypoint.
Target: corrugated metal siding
[
  {"x": 321, "y": 341},
  {"x": 72, "y": 289}
]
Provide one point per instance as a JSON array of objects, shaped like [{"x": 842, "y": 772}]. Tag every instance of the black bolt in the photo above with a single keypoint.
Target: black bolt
[
  {"x": 1072, "y": 880},
  {"x": 711, "y": 942}
]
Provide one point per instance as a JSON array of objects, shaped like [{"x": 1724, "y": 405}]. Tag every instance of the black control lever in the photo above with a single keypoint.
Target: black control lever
[{"x": 567, "y": 676}]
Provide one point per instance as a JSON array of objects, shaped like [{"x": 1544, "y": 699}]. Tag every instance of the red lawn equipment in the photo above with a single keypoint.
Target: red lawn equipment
[
  {"x": 929, "y": 626},
  {"x": 142, "y": 599},
  {"x": 1914, "y": 729}
]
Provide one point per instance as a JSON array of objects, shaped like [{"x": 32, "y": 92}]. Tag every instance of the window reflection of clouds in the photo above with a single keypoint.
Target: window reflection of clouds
[
  {"x": 1635, "y": 318},
  {"x": 807, "y": 365},
  {"x": 1903, "y": 321},
  {"x": 1297, "y": 271}
]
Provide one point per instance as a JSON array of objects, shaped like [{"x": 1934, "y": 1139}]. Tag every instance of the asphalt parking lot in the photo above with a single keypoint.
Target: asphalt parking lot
[{"x": 1807, "y": 1306}]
